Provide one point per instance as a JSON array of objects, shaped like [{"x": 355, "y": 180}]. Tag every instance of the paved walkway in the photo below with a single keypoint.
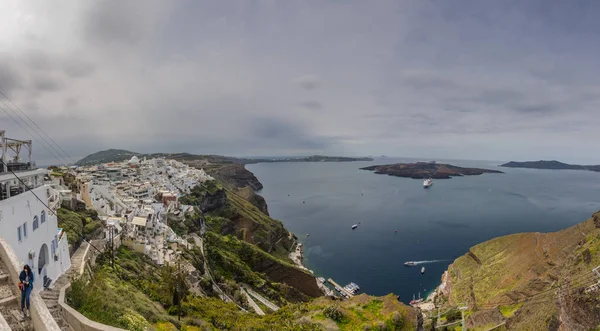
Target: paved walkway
[
  {"x": 260, "y": 298},
  {"x": 252, "y": 303}
]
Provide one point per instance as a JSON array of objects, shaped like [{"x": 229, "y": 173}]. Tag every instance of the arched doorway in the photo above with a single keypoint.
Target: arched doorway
[{"x": 43, "y": 258}]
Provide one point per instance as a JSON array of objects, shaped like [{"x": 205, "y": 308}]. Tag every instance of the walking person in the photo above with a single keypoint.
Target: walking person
[{"x": 26, "y": 285}]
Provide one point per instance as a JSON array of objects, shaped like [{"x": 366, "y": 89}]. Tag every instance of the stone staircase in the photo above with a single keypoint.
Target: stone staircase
[
  {"x": 50, "y": 297},
  {"x": 10, "y": 302}
]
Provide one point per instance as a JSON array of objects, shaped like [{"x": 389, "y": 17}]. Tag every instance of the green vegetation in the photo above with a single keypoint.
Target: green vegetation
[
  {"x": 231, "y": 258},
  {"x": 509, "y": 311},
  {"x": 119, "y": 301},
  {"x": 76, "y": 224},
  {"x": 138, "y": 295}
]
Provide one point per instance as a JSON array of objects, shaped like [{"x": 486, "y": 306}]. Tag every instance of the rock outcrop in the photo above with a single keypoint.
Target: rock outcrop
[
  {"x": 426, "y": 170},
  {"x": 552, "y": 165},
  {"x": 235, "y": 175}
]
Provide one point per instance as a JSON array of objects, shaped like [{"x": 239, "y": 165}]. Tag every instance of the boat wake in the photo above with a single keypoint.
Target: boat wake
[{"x": 428, "y": 261}]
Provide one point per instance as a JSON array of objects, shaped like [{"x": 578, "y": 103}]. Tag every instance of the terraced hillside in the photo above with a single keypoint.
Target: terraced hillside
[{"x": 534, "y": 280}]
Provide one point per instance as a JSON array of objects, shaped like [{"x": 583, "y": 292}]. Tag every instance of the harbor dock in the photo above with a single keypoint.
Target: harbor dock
[{"x": 340, "y": 288}]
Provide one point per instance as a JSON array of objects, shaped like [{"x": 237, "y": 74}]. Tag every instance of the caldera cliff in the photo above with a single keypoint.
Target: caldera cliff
[{"x": 530, "y": 281}]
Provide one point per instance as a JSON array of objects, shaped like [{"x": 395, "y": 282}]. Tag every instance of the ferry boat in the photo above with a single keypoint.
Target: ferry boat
[
  {"x": 410, "y": 264},
  {"x": 354, "y": 226},
  {"x": 352, "y": 288},
  {"x": 428, "y": 182}
]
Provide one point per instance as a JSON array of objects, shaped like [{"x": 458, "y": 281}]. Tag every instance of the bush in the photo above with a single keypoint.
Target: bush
[
  {"x": 397, "y": 320},
  {"x": 133, "y": 321},
  {"x": 91, "y": 227},
  {"x": 333, "y": 313},
  {"x": 453, "y": 315}
]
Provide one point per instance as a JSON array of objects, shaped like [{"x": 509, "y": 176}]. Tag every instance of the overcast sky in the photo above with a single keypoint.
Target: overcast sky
[{"x": 496, "y": 80}]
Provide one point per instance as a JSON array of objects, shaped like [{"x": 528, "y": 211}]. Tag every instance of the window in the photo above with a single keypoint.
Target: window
[
  {"x": 35, "y": 223},
  {"x": 25, "y": 229},
  {"x": 53, "y": 246},
  {"x": 43, "y": 216},
  {"x": 19, "y": 233}
]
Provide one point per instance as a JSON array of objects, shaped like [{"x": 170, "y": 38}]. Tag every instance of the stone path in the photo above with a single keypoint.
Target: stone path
[
  {"x": 252, "y": 303},
  {"x": 262, "y": 299},
  {"x": 50, "y": 295},
  {"x": 10, "y": 301}
]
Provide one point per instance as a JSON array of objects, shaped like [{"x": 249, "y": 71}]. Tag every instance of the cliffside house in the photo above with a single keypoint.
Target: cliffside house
[{"x": 28, "y": 225}]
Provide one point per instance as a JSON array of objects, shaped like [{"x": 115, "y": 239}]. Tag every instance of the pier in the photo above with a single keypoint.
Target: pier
[{"x": 332, "y": 282}]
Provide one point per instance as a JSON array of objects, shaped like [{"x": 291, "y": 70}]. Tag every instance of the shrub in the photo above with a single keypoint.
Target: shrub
[{"x": 333, "y": 313}]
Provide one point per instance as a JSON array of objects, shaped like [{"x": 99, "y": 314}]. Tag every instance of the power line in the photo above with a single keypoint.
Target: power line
[
  {"x": 41, "y": 142},
  {"x": 37, "y": 126},
  {"x": 45, "y": 205}
]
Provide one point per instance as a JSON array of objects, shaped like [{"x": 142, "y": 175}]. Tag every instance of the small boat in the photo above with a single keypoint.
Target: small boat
[
  {"x": 410, "y": 264},
  {"x": 354, "y": 226},
  {"x": 423, "y": 270},
  {"x": 307, "y": 234},
  {"x": 428, "y": 182}
]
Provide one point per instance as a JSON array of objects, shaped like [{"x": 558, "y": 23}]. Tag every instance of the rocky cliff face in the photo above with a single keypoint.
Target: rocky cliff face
[
  {"x": 239, "y": 179},
  {"x": 235, "y": 175},
  {"x": 213, "y": 201}
]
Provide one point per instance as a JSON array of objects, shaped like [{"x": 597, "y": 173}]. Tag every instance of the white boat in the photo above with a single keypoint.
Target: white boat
[
  {"x": 354, "y": 226},
  {"x": 428, "y": 182},
  {"x": 423, "y": 270}
]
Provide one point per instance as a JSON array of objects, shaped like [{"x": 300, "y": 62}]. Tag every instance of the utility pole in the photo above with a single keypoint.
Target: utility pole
[
  {"x": 111, "y": 236},
  {"x": 462, "y": 313}
]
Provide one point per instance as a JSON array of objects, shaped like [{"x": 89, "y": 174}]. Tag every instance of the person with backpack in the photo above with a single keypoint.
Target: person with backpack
[{"x": 26, "y": 285}]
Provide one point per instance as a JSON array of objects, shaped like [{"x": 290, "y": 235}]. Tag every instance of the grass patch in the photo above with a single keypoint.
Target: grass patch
[{"x": 509, "y": 311}]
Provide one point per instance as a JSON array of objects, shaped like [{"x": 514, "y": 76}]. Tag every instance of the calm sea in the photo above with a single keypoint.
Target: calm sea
[{"x": 436, "y": 224}]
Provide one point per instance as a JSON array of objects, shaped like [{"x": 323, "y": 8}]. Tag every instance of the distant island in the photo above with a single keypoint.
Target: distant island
[
  {"x": 119, "y": 155},
  {"x": 553, "y": 165},
  {"x": 426, "y": 170}
]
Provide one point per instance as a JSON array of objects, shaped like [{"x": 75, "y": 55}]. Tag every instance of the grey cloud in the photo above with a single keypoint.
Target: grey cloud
[
  {"x": 308, "y": 82},
  {"x": 46, "y": 83},
  {"x": 537, "y": 108},
  {"x": 114, "y": 22},
  {"x": 428, "y": 81},
  {"x": 282, "y": 133},
  {"x": 77, "y": 68},
  {"x": 400, "y": 78},
  {"x": 312, "y": 104},
  {"x": 39, "y": 60},
  {"x": 71, "y": 102},
  {"x": 10, "y": 78}
]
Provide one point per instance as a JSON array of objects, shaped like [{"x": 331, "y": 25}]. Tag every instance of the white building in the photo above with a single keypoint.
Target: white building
[{"x": 28, "y": 226}]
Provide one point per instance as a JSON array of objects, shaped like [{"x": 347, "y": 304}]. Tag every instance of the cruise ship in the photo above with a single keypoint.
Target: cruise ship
[
  {"x": 27, "y": 225},
  {"x": 428, "y": 182}
]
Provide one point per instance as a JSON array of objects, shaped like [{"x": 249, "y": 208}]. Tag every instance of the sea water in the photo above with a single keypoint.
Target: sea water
[{"x": 434, "y": 225}]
